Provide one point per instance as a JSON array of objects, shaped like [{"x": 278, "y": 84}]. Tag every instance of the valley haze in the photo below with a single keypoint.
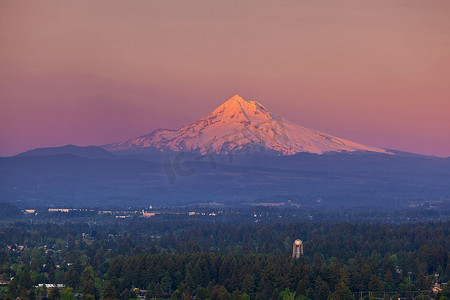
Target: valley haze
[{"x": 240, "y": 154}]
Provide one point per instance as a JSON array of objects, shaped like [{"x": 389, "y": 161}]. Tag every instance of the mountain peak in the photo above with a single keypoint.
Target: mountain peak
[
  {"x": 236, "y": 98},
  {"x": 239, "y": 124},
  {"x": 234, "y": 102},
  {"x": 245, "y": 103},
  {"x": 237, "y": 106}
]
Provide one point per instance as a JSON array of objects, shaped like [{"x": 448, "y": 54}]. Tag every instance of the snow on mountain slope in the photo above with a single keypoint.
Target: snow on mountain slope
[{"x": 239, "y": 125}]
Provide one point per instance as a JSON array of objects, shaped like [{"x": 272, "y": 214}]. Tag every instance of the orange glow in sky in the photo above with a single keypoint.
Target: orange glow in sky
[{"x": 95, "y": 72}]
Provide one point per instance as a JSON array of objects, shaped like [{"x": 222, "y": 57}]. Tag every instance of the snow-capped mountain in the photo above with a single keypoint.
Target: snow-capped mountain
[{"x": 238, "y": 125}]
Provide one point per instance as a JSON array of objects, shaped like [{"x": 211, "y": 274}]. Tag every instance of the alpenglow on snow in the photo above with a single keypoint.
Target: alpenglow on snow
[{"x": 237, "y": 125}]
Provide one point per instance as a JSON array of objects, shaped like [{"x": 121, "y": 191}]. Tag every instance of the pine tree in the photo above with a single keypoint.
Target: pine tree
[
  {"x": 237, "y": 295},
  {"x": 109, "y": 291},
  {"x": 322, "y": 291},
  {"x": 32, "y": 294},
  {"x": 301, "y": 288},
  {"x": 202, "y": 293},
  {"x": 13, "y": 288},
  {"x": 88, "y": 287},
  {"x": 54, "y": 294},
  {"x": 24, "y": 295},
  {"x": 275, "y": 295},
  {"x": 72, "y": 278},
  {"x": 67, "y": 294},
  {"x": 341, "y": 292},
  {"x": 375, "y": 285},
  {"x": 25, "y": 280}
]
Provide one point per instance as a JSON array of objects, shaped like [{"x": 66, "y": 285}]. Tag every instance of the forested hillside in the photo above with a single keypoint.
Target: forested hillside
[{"x": 181, "y": 260}]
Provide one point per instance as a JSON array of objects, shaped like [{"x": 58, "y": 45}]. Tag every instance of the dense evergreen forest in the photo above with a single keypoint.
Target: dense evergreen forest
[{"x": 185, "y": 259}]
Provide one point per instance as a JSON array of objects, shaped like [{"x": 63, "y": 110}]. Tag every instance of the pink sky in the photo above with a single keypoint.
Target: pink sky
[{"x": 94, "y": 72}]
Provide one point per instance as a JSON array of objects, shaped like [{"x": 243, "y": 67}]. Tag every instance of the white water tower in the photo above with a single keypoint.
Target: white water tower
[{"x": 297, "y": 249}]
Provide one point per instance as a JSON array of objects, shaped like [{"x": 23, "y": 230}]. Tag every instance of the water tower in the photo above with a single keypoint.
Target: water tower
[{"x": 297, "y": 249}]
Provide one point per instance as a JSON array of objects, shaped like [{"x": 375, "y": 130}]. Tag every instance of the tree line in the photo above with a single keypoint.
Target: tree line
[{"x": 185, "y": 259}]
